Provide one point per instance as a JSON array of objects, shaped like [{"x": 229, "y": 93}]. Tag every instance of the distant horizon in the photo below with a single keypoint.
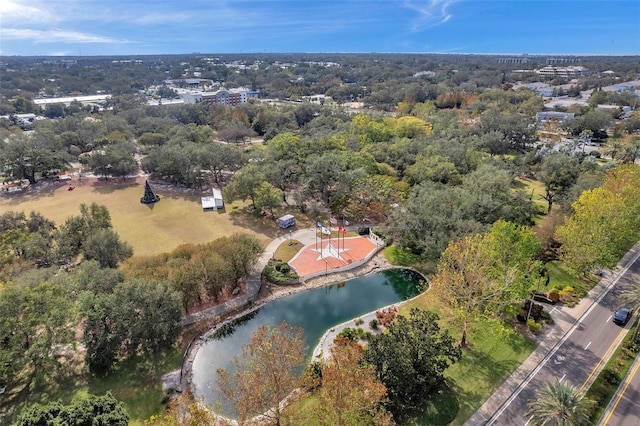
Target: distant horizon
[
  {"x": 604, "y": 55},
  {"x": 78, "y": 28}
]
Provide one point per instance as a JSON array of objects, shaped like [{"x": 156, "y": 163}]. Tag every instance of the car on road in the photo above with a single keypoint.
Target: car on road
[{"x": 621, "y": 316}]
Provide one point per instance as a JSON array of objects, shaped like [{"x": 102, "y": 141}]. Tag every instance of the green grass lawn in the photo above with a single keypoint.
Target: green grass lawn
[
  {"x": 493, "y": 354},
  {"x": 401, "y": 257},
  {"x": 136, "y": 382},
  {"x": 287, "y": 250},
  {"x": 150, "y": 229},
  {"x": 534, "y": 188},
  {"x": 560, "y": 278}
]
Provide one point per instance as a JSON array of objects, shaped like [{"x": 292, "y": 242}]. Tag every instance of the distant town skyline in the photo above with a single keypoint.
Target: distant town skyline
[{"x": 136, "y": 27}]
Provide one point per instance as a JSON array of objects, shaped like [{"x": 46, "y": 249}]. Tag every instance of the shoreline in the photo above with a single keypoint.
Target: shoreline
[{"x": 267, "y": 293}]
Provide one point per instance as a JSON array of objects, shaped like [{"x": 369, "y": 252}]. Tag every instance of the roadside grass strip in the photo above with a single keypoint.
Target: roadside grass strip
[{"x": 606, "y": 383}]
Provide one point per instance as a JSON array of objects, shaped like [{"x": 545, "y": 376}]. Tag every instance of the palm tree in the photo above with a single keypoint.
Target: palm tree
[{"x": 559, "y": 405}]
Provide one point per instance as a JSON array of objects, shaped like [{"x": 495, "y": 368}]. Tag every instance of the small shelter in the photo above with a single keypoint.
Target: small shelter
[
  {"x": 286, "y": 221},
  {"x": 214, "y": 201}
]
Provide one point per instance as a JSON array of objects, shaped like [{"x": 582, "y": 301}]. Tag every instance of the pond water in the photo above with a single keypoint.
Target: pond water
[{"x": 314, "y": 310}]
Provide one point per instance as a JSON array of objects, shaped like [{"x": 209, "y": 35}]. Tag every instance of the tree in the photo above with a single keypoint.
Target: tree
[
  {"x": 114, "y": 160},
  {"x": 559, "y": 404},
  {"x": 184, "y": 410},
  {"x": 462, "y": 281},
  {"x": 515, "y": 128},
  {"x": 268, "y": 196},
  {"x": 410, "y": 358},
  {"x": 33, "y": 321},
  {"x": 236, "y": 134},
  {"x": 558, "y": 172},
  {"x": 245, "y": 184},
  {"x": 434, "y": 214},
  {"x": 26, "y": 155},
  {"x": 605, "y": 223},
  {"x": 434, "y": 168},
  {"x": 92, "y": 410},
  {"x": 483, "y": 275},
  {"x": 266, "y": 373},
  {"x": 218, "y": 158},
  {"x": 91, "y": 234},
  {"x": 104, "y": 245},
  {"x": 149, "y": 315},
  {"x": 325, "y": 175},
  {"x": 349, "y": 392},
  {"x": 25, "y": 240},
  {"x": 135, "y": 316}
]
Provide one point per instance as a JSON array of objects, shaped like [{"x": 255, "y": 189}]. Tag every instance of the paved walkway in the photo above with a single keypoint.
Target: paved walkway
[
  {"x": 564, "y": 320},
  {"x": 325, "y": 254},
  {"x": 245, "y": 302}
]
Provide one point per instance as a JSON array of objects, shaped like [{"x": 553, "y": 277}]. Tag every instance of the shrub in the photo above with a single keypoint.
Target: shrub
[
  {"x": 533, "y": 326},
  {"x": 373, "y": 324},
  {"x": 566, "y": 292},
  {"x": 284, "y": 268},
  {"x": 359, "y": 321},
  {"x": 278, "y": 272},
  {"x": 349, "y": 334},
  {"x": 612, "y": 377},
  {"x": 386, "y": 316},
  {"x": 546, "y": 317},
  {"x": 554, "y": 295}
]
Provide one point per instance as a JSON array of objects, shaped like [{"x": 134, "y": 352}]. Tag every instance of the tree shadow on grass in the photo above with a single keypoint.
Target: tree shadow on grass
[
  {"x": 438, "y": 409},
  {"x": 478, "y": 375},
  {"x": 32, "y": 193},
  {"x": 112, "y": 185},
  {"x": 261, "y": 224}
]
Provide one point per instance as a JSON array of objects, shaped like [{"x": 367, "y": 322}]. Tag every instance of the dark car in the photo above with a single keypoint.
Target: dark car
[
  {"x": 621, "y": 316},
  {"x": 538, "y": 297}
]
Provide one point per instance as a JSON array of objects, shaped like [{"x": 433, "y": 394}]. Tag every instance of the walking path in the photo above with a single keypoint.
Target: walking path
[
  {"x": 250, "y": 300},
  {"x": 564, "y": 320}
]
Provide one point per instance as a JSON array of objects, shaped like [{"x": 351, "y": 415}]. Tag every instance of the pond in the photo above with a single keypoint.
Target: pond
[{"x": 314, "y": 310}]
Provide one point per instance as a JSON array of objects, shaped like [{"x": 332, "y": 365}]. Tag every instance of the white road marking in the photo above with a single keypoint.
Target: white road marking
[{"x": 588, "y": 344}]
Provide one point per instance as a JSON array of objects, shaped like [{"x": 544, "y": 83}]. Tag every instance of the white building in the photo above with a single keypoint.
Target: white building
[{"x": 563, "y": 72}]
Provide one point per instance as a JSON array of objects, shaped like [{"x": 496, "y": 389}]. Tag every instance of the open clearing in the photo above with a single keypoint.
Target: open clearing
[{"x": 150, "y": 229}]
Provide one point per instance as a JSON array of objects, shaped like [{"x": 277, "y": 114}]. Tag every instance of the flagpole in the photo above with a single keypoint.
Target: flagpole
[{"x": 329, "y": 246}]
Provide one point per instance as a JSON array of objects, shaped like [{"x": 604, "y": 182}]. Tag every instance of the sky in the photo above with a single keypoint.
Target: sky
[{"x": 139, "y": 27}]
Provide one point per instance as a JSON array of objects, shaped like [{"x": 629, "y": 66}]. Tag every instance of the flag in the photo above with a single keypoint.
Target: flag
[
  {"x": 340, "y": 228},
  {"x": 318, "y": 224},
  {"x": 333, "y": 220},
  {"x": 325, "y": 231},
  {"x": 345, "y": 222},
  {"x": 344, "y": 230}
]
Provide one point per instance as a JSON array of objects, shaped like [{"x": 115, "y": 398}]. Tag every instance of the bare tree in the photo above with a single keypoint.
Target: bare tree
[{"x": 266, "y": 373}]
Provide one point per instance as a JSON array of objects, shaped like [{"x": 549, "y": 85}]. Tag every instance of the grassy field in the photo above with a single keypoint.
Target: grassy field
[
  {"x": 493, "y": 354},
  {"x": 176, "y": 219},
  {"x": 535, "y": 189}
]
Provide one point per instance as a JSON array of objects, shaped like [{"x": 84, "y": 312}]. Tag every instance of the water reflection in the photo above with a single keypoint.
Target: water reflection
[{"x": 314, "y": 310}]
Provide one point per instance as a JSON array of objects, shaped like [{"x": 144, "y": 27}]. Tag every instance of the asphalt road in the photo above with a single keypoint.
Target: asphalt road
[
  {"x": 624, "y": 409},
  {"x": 579, "y": 355}
]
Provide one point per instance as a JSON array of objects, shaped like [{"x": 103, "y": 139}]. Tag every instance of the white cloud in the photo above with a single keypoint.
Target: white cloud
[
  {"x": 429, "y": 13},
  {"x": 12, "y": 11},
  {"x": 55, "y": 36}
]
